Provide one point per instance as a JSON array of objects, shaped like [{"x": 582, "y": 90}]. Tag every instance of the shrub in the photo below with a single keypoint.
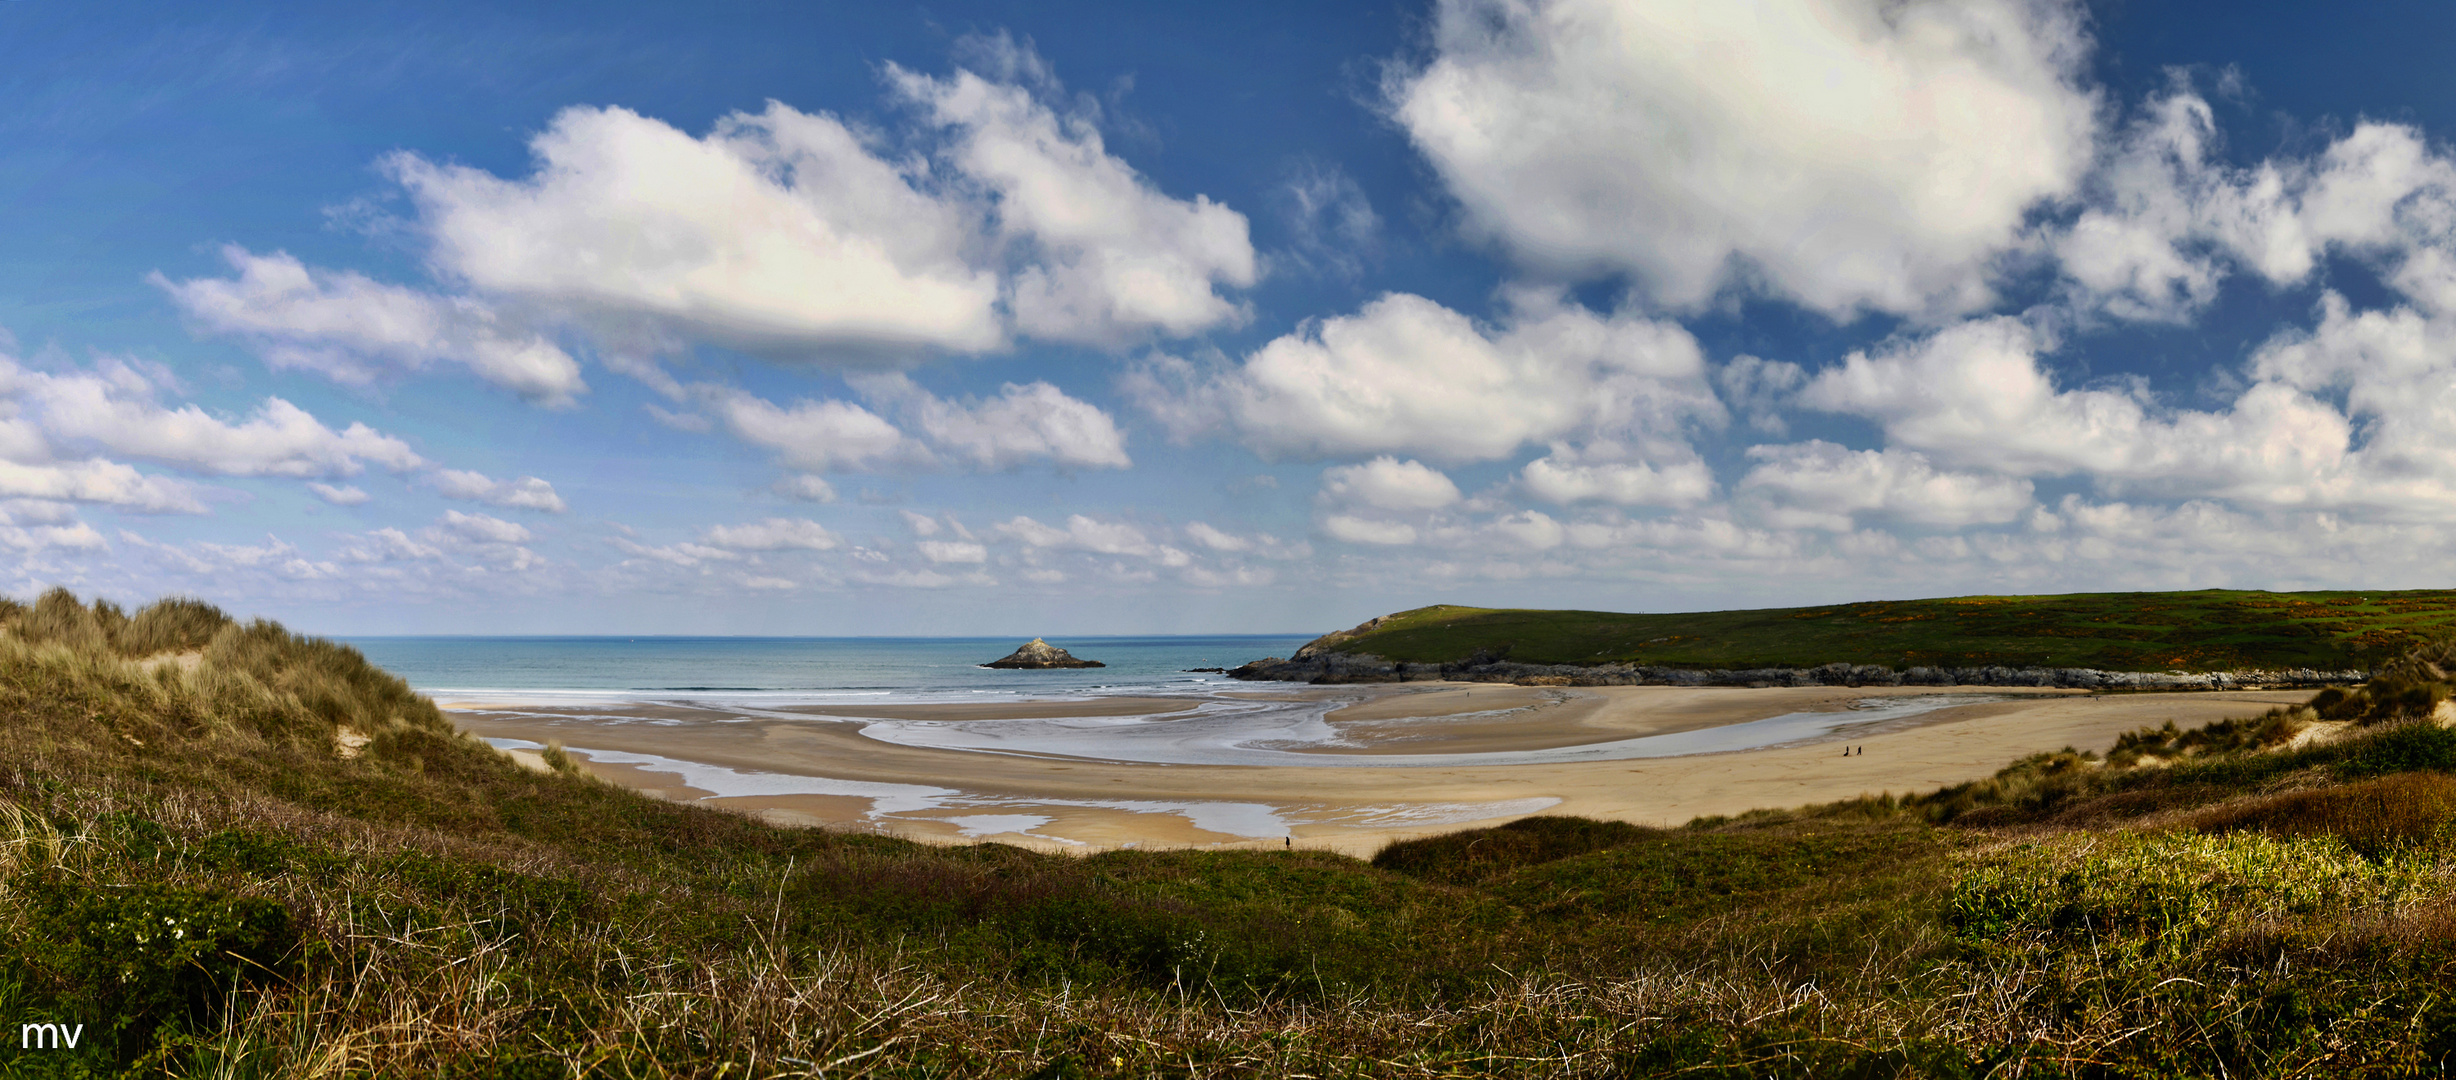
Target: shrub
[
  {"x": 147, "y": 953},
  {"x": 2405, "y": 748},
  {"x": 2375, "y": 817},
  {"x": 1480, "y": 855},
  {"x": 2170, "y": 892}
]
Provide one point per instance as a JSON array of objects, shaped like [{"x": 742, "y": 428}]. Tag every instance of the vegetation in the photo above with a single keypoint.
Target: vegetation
[
  {"x": 234, "y": 852},
  {"x": 2213, "y": 630}
]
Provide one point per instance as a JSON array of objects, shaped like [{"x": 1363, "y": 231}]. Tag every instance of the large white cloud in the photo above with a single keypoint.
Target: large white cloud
[
  {"x": 2170, "y": 219},
  {"x": 1846, "y": 153},
  {"x": 1104, "y": 257},
  {"x": 1977, "y": 395},
  {"x": 779, "y": 230},
  {"x": 795, "y": 235},
  {"x": 351, "y": 328},
  {"x": 1405, "y": 375}
]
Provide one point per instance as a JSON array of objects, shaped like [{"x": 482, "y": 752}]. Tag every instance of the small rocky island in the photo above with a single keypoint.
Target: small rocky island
[{"x": 1040, "y": 654}]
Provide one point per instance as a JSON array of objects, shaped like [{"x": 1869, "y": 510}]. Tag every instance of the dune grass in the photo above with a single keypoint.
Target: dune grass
[
  {"x": 2210, "y": 630},
  {"x": 196, "y": 864}
]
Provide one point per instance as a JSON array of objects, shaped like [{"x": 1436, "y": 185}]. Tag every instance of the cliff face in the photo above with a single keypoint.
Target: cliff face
[{"x": 1318, "y": 665}]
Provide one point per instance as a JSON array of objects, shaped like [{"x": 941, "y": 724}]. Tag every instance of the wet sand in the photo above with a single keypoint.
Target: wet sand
[{"x": 816, "y": 766}]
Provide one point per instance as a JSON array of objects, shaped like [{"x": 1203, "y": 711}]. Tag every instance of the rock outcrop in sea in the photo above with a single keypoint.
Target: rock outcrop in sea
[
  {"x": 1040, "y": 654},
  {"x": 1312, "y": 665}
]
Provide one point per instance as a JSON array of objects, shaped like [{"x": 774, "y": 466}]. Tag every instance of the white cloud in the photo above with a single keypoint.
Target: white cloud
[
  {"x": 1563, "y": 477},
  {"x": 343, "y": 495},
  {"x": 98, "y": 481},
  {"x": 952, "y": 551},
  {"x": 1216, "y": 539},
  {"x": 1107, "y": 258},
  {"x": 803, "y": 487},
  {"x": 774, "y": 534},
  {"x": 483, "y": 529},
  {"x": 387, "y": 545},
  {"x": 1386, "y": 483},
  {"x": 1023, "y": 423},
  {"x": 812, "y": 435},
  {"x": 1820, "y": 485},
  {"x": 113, "y": 410},
  {"x": 2172, "y": 219},
  {"x": 798, "y": 236},
  {"x": 350, "y": 328},
  {"x": 684, "y": 554},
  {"x": 1408, "y": 376},
  {"x": 1081, "y": 533},
  {"x": 1847, "y": 153},
  {"x": 1358, "y": 530},
  {"x": 526, "y": 493},
  {"x": 1976, "y": 395},
  {"x": 780, "y": 231}
]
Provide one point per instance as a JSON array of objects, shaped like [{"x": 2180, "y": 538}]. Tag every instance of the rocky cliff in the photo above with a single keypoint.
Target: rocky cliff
[{"x": 1040, "y": 654}]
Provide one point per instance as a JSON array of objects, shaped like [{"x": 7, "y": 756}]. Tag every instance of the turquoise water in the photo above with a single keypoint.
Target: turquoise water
[{"x": 780, "y": 670}]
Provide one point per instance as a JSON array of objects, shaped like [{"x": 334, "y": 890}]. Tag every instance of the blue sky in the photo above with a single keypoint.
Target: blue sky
[{"x": 1005, "y": 318}]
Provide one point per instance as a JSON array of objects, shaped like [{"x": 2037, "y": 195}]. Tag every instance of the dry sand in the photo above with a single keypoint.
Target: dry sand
[{"x": 1080, "y": 804}]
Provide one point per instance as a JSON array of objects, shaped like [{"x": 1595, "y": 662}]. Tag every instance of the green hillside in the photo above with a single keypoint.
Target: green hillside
[
  {"x": 228, "y": 851},
  {"x": 2211, "y": 630}
]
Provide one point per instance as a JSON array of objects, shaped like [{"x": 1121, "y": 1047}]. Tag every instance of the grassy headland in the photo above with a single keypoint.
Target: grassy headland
[
  {"x": 230, "y": 851},
  {"x": 2211, "y": 630}
]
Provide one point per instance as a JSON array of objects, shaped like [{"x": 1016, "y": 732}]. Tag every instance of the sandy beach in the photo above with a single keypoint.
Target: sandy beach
[{"x": 1346, "y": 768}]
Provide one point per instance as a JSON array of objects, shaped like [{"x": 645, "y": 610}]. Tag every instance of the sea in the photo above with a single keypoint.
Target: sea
[{"x": 802, "y": 670}]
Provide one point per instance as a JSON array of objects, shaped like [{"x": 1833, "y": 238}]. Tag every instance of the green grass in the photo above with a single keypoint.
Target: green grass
[
  {"x": 193, "y": 863},
  {"x": 2213, "y": 630}
]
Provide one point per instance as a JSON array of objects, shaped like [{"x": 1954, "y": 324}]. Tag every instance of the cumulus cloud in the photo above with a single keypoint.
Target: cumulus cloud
[
  {"x": 1361, "y": 530},
  {"x": 1977, "y": 395},
  {"x": 2172, "y": 219},
  {"x": 1105, "y": 256},
  {"x": 1023, "y": 423},
  {"x": 341, "y": 495},
  {"x": 94, "y": 480},
  {"x": 1821, "y": 485},
  {"x": 774, "y": 534},
  {"x": 796, "y": 235},
  {"x": 114, "y": 410},
  {"x": 952, "y": 551},
  {"x": 1082, "y": 533},
  {"x": 1406, "y": 375},
  {"x": 803, "y": 487},
  {"x": 1565, "y": 477},
  {"x": 1386, "y": 483},
  {"x": 779, "y": 231},
  {"x": 1848, "y": 154},
  {"x": 483, "y": 529},
  {"x": 817, "y": 436},
  {"x": 353, "y": 329},
  {"x": 526, "y": 493}
]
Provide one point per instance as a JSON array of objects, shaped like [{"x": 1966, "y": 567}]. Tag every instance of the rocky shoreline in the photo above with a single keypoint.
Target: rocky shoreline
[{"x": 1310, "y": 666}]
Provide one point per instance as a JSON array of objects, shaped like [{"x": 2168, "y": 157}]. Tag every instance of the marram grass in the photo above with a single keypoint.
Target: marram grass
[{"x": 2227, "y": 903}]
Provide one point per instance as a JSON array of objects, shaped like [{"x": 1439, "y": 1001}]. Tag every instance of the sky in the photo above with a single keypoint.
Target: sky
[{"x": 1016, "y": 319}]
